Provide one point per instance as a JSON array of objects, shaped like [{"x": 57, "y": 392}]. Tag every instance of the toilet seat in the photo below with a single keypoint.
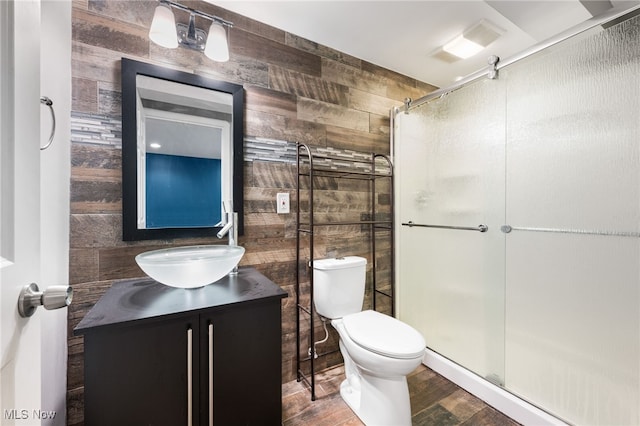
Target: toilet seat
[{"x": 384, "y": 335}]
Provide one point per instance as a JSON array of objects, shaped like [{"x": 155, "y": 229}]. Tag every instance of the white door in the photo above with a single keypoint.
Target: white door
[{"x": 20, "y": 371}]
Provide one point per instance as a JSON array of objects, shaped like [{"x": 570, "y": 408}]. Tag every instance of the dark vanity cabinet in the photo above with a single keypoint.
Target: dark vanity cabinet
[{"x": 156, "y": 355}]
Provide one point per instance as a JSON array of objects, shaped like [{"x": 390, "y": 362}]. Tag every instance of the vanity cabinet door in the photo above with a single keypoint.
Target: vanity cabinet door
[
  {"x": 137, "y": 375},
  {"x": 246, "y": 365}
]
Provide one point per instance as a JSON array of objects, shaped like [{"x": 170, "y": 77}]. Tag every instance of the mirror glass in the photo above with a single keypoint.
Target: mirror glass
[{"x": 182, "y": 152}]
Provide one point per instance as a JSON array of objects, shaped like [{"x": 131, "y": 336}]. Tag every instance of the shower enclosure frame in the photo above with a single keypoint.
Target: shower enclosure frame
[{"x": 496, "y": 396}]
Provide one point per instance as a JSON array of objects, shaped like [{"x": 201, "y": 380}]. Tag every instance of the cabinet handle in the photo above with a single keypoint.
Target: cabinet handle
[
  {"x": 210, "y": 374},
  {"x": 189, "y": 377}
]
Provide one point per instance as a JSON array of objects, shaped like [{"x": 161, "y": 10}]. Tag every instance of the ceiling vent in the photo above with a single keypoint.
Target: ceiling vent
[
  {"x": 483, "y": 33},
  {"x": 469, "y": 42}
]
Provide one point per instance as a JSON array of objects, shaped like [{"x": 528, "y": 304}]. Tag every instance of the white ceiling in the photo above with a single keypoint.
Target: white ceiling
[{"x": 402, "y": 35}]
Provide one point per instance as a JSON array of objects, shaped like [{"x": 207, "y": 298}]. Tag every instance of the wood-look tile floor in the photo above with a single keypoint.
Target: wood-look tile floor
[{"x": 435, "y": 401}]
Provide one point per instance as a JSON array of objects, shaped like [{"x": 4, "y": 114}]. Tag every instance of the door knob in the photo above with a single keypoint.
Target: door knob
[{"x": 54, "y": 297}]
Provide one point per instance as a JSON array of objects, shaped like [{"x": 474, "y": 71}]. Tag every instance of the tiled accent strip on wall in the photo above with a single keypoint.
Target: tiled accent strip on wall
[
  {"x": 101, "y": 129},
  {"x": 96, "y": 129},
  {"x": 263, "y": 149}
]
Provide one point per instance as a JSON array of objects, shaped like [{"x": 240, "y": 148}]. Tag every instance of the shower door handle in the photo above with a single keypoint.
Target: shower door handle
[
  {"x": 479, "y": 228},
  {"x": 602, "y": 233}
]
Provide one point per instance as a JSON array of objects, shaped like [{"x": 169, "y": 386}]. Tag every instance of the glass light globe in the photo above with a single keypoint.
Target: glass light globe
[
  {"x": 163, "y": 27},
  {"x": 217, "y": 47}
]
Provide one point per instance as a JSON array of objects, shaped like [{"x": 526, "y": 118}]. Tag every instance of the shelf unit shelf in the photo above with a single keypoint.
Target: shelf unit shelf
[{"x": 371, "y": 167}]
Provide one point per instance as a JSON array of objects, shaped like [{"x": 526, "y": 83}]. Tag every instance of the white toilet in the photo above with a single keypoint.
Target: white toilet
[{"x": 378, "y": 350}]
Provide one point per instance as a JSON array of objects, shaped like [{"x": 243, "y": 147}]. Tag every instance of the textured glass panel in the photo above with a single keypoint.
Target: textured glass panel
[
  {"x": 572, "y": 342},
  {"x": 573, "y": 162},
  {"x": 572, "y": 130},
  {"x": 450, "y": 156}
]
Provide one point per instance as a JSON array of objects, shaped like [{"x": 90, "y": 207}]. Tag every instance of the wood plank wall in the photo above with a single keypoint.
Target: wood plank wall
[{"x": 295, "y": 90}]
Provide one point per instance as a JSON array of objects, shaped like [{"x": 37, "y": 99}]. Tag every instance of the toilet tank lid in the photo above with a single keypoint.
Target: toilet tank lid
[{"x": 339, "y": 263}]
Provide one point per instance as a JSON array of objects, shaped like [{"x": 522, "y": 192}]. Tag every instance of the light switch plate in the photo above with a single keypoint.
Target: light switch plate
[{"x": 282, "y": 202}]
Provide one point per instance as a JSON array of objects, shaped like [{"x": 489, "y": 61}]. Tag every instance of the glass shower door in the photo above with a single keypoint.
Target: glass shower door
[
  {"x": 450, "y": 157},
  {"x": 551, "y": 309},
  {"x": 573, "y": 200}
]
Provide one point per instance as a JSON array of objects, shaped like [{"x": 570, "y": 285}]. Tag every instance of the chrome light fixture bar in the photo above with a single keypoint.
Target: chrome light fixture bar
[{"x": 165, "y": 32}]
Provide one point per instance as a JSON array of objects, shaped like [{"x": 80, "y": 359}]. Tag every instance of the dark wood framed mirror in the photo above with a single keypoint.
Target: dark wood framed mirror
[{"x": 182, "y": 152}]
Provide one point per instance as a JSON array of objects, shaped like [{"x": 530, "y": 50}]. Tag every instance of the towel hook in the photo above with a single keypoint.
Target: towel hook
[{"x": 48, "y": 102}]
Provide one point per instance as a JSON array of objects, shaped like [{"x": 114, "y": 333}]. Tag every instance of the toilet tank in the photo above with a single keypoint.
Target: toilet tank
[{"x": 338, "y": 285}]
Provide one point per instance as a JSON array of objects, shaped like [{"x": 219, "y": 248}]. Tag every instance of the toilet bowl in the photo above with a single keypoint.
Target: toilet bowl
[
  {"x": 376, "y": 386},
  {"x": 378, "y": 350}
]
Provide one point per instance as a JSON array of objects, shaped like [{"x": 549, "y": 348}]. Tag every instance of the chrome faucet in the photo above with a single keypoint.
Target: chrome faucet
[{"x": 229, "y": 227}]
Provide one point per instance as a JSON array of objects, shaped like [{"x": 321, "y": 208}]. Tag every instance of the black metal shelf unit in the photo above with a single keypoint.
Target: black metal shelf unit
[{"x": 369, "y": 167}]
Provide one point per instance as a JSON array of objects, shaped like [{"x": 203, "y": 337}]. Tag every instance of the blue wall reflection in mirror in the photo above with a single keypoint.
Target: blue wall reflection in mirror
[{"x": 182, "y": 191}]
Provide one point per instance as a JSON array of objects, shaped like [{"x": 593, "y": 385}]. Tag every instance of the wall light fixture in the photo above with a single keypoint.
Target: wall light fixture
[{"x": 165, "y": 32}]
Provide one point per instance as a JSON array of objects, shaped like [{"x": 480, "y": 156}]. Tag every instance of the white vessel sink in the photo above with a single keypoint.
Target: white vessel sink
[{"x": 190, "y": 266}]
